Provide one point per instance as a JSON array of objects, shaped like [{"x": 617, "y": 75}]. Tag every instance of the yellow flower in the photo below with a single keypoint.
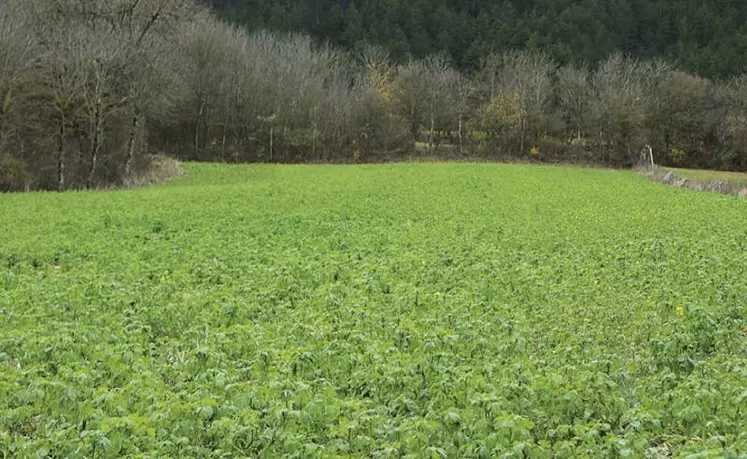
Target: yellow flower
[{"x": 680, "y": 311}]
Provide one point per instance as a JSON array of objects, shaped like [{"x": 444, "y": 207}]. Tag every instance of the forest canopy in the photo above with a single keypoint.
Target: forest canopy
[{"x": 707, "y": 38}]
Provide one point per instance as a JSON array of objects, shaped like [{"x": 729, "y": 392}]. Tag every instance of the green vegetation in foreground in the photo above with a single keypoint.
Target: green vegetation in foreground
[
  {"x": 412, "y": 310},
  {"x": 706, "y": 176}
]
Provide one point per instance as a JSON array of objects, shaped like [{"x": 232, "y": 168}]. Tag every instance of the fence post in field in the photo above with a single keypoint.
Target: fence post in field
[{"x": 647, "y": 158}]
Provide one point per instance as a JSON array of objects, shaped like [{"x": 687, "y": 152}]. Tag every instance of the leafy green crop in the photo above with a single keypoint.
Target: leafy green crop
[{"x": 411, "y": 310}]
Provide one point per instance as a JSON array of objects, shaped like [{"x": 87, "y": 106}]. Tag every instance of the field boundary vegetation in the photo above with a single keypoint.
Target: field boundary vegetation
[
  {"x": 161, "y": 169},
  {"x": 697, "y": 180},
  {"x": 90, "y": 90}
]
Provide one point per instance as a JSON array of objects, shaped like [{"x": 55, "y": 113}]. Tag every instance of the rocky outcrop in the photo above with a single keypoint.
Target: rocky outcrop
[{"x": 669, "y": 178}]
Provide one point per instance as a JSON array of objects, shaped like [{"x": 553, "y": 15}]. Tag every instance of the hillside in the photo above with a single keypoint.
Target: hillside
[{"x": 707, "y": 38}]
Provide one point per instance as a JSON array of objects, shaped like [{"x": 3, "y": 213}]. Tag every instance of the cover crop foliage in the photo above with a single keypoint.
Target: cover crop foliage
[{"x": 410, "y": 310}]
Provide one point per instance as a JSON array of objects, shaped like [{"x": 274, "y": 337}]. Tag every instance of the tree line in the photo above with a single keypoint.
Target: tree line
[{"x": 90, "y": 90}]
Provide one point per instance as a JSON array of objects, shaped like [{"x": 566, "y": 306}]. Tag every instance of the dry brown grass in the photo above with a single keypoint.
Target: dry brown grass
[{"x": 160, "y": 169}]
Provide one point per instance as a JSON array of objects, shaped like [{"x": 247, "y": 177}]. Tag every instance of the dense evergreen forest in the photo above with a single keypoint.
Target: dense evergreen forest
[
  {"x": 91, "y": 91},
  {"x": 707, "y": 38}
]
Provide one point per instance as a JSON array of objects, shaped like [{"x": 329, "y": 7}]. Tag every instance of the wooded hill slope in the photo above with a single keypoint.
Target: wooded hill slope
[{"x": 707, "y": 38}]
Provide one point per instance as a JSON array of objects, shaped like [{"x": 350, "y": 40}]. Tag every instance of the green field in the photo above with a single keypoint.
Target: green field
[{"x": 410, "y": 310}]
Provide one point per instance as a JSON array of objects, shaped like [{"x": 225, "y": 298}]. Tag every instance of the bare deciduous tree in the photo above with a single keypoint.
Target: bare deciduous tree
[
  {"x": 411, "y": 96},
  {"x": 574, "y": 94},
  {"x": 437, "y": 76},
  {"x": 524, "y": 79},
  {"x": 679, "y": 116},
  {"x": 619, "y": 109},
  {"x": 462, "y": 90},
  {"x": 18, "y": 58}
]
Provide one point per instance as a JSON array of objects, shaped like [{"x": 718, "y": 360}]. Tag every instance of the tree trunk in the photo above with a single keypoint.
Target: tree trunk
[
  {"x": 198, "y": 121},
  {"x": 94, "y": 162},
  {"x": 2, "y": 125},
  {"x": 459, "y": 134},
  {"x": 386, "y": 142},
  {"x": 313, "y": 144},
  {"x": 313, "y": 141},
  {"x": 95, "y": 143},
  {"x": 223, "y": 141},
  {"x": 131, "y": 144},
  {"x": 82, "y": 140},
  {"x": 414, "y": 125},
  {"x": 430, "y": 134},
  {"x": 630, "y": 152},
  {"x": 432, "y": 126},
  {"x": 61, "y": 155},
  {"x": 272, "y": 132}
]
